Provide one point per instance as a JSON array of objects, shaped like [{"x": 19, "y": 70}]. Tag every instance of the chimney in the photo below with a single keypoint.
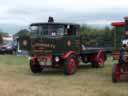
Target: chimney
[{"x": 50, "y": 19}]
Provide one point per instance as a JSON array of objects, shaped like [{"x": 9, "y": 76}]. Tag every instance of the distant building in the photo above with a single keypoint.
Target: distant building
[{"x": 8, "y": 38}]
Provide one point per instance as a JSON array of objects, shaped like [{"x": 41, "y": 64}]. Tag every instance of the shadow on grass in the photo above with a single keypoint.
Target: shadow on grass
[
  {"x": 85, "y": 66},
  {"x": 124, "y": 79},
  {"x": 59, "y": 71},
  {"x": 48, "y": 72}
]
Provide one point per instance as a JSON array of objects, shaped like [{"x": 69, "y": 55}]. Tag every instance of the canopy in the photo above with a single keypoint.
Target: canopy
[{"x": 118, "y": 23}]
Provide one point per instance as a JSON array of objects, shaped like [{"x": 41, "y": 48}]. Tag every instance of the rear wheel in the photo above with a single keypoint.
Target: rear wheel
[
  {"x": 35, "y": 68},
  {"x": 100, "y": 62},
  {"x": 70, "y": 66},
  {"x": 116, "y": 73}
]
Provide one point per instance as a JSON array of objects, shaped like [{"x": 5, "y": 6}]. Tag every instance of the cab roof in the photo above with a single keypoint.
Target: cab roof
[
  {"x": 52, "y": 23},
  {"x": 118, "y": 23}
]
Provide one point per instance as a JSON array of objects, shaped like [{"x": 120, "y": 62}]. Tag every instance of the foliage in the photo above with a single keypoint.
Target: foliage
[
  {"x": 1, "y": 39},
  {"x": 22, "y": 32},
  {"x": 96, "y": 36},
  {"x": 93, "y": 36},
  {"x": 2, "y": 34}
]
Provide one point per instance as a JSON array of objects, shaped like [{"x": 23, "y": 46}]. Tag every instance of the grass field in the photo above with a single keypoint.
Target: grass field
[{"x": 16, "y": 79}]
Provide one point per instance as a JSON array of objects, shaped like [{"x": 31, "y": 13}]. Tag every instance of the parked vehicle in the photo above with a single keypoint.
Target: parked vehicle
[
  {"x": 8, "y": 48},
  {"x": 118, "y": 69},
  {"x": 58, "y": 45}
]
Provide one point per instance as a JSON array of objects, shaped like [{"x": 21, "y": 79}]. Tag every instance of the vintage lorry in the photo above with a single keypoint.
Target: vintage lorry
[
  {"x": 117, "y": 69},
  {"x": 58, "y": 45}
]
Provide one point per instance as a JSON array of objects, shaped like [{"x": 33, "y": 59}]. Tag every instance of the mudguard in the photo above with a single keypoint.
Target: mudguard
[{"x": 66, "y": 55}]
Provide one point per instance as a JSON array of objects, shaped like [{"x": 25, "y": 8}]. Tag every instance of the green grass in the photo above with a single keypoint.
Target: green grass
[
  {"x": 12, "y": 59},
  {"x": 16, "y": 79}
]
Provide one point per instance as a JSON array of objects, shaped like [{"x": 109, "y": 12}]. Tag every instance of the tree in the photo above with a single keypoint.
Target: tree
[
  {"x": 96, "y": 36},
  {"x": 23, "y": 32},
  {"x": 3, "y": 34}
]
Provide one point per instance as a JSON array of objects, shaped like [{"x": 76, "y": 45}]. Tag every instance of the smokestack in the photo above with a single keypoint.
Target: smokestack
[
  {"x": 126, "y": 23},
  {"x": 50, "y": 19}
]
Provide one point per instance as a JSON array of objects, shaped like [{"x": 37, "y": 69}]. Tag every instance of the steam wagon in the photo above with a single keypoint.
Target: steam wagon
[
  {"x": 118, "y": 70},
  {"x": 58, "y": 45}
]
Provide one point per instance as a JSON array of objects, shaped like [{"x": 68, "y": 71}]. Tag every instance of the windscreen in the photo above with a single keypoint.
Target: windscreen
[{"x": 47, "y": 30}]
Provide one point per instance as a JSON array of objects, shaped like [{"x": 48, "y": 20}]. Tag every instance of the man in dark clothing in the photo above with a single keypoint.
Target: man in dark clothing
[
  {"x": 124, "y": 51},
  {"x": 50, "y": 19}
]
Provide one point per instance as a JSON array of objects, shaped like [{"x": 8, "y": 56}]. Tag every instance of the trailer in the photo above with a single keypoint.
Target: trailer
[{"x": 58, "y": 45}]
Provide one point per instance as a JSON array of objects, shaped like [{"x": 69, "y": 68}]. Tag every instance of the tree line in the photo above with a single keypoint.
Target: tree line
[
  {"x": 95, "y": 36},
  {"x": 2, "y": 34},
  {"x": 89, "y": 35}
]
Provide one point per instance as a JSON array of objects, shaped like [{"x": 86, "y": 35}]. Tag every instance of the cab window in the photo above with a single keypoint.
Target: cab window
[
  {"x": 72, "y": 30},
  {"x": 48, "y": 30}
]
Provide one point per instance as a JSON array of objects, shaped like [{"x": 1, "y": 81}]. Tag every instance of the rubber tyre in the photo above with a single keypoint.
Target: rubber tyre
[
  {"x": 70, "y": 66},
  {"x": 115, "y": 76},
  {"x": 35, "y": 68}
]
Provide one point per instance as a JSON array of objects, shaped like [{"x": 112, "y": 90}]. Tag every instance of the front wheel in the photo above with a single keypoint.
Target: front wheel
[
  {"x": 70, "y": 66},
  {"x": 116, "y": 73},
  {"x": 35, "y": 68}
]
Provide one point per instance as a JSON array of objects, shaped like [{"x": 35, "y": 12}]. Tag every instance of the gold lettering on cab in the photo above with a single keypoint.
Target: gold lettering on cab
[
  {"x": 44, "y": 45},
  {"x": 47, "y": 51}
]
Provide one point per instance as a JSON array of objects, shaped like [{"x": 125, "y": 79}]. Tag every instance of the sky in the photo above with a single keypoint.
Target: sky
[{"x": 17, "y": 14}]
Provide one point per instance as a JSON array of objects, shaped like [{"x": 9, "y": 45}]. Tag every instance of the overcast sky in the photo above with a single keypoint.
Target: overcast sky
[{"x": 24, "y": 12}]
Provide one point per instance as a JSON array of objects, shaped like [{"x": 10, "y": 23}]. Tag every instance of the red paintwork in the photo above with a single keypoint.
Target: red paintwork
[
  {"x": 65, "y": 56},
  {"x": 40, "y": 56},
  {"x": 33, "y": 61},
  {"x": 118, "y": 72},
  {"x": 97, "y": 57},
  {"x": 118, "y": 23},
  {"x": 2, "y": 44},
  {"x": 71, "y": 66},
  {"x": 68, "y": 54},
  {"x": 100, "y": 61}
]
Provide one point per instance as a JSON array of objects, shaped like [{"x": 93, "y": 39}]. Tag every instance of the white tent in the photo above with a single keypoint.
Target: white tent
[{"x": 7, "y": 39}]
